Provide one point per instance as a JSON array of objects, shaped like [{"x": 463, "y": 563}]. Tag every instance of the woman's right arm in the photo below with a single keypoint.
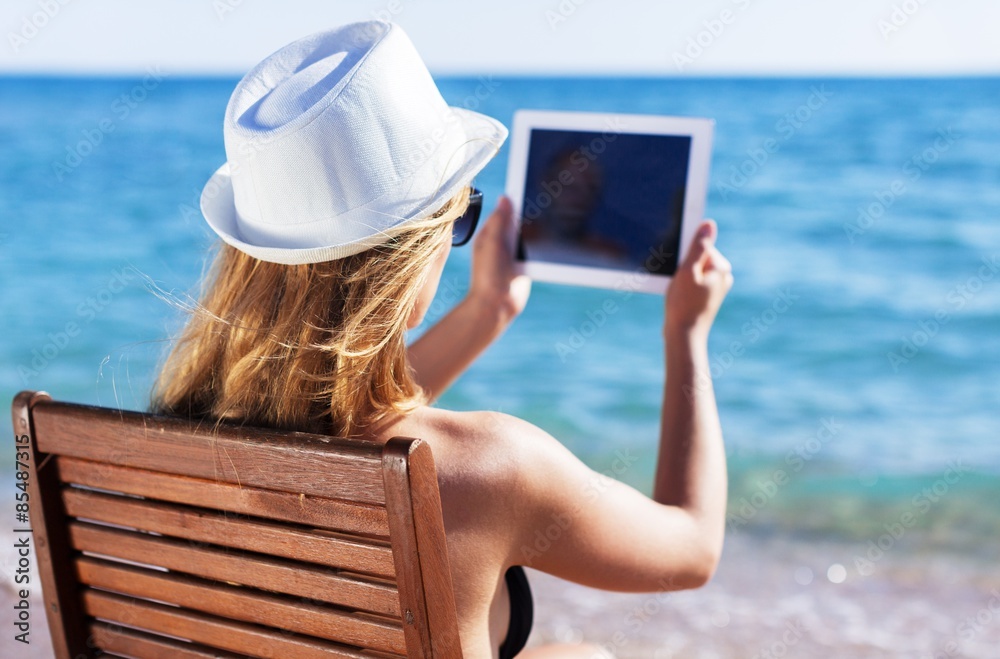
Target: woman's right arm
[
  {"x": 597, "y": 531},
  {"x": 691, "y": 468}
]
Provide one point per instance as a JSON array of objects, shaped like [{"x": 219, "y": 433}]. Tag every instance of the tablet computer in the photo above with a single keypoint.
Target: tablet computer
[{"x": 607, "y": 200}]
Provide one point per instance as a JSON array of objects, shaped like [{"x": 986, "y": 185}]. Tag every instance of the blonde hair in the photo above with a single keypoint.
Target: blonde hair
[{"x": 317, "y": 347}]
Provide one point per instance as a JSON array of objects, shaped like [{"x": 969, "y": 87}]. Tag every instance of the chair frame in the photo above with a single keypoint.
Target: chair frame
[{"x": 361, "y": 495}]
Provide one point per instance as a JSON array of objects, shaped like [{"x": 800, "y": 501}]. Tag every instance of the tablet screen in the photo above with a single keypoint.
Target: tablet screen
[{"x": 604, "y": 200}]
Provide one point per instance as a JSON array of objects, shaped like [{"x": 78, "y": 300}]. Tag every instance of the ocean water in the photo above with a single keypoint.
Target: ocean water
[{"x": 856, "y": 359}]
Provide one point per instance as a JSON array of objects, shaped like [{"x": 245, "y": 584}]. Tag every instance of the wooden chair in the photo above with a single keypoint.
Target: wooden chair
[{"x": 160, "y": 537}]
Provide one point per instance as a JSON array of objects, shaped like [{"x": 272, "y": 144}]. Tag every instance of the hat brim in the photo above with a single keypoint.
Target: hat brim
[{"x": 484, "y": 137}]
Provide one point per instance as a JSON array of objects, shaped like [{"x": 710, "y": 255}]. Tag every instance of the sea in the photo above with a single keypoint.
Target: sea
[{"x": 856, "y": 361}]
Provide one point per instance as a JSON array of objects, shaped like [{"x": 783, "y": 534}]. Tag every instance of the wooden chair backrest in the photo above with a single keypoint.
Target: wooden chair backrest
[{"x": 160, "y": 537}]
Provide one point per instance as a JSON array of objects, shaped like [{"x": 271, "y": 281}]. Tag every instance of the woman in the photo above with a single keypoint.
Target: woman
[{"x": 347, "y": 184}]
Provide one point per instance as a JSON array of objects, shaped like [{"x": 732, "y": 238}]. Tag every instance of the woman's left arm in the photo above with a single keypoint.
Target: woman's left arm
[{"x": 496, "y": 296}]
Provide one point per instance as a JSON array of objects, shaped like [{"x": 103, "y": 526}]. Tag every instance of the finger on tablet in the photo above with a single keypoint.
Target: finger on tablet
[
  {"x": 702, "y": 242},
  {"x": 708, "y": 229}
]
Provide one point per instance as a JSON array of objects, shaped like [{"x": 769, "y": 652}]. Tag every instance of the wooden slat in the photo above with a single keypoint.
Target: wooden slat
[
  {"x": 408, "y": 578},
  {"x": 47, "y": 520},
  {"x": 240, "y": 604},
  {"x": 279, "y": 460},
  {"x": 422, "y": 571},
  {"x": 134, "y": 643},
  {"x": 432, "y": 551},
  {"x": 281, "y": 576},
  {"x": 203, "y": 526},
  {"x": 315, "y": 511},
  {"x": 247, "y": 639}
]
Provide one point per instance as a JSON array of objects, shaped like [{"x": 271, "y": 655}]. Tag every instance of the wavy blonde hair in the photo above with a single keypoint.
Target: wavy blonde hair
[{"x": 317, "y": 347}]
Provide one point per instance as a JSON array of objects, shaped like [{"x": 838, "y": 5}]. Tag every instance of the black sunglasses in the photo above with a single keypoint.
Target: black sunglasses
[{"x": 465, "y": 226}]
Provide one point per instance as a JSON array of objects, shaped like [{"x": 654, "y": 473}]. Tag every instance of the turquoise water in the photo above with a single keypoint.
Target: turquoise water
[{"x": 857, "y": 354}]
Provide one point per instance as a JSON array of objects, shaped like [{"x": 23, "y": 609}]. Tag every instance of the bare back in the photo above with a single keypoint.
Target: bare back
[{"x": 475, "y": 474}]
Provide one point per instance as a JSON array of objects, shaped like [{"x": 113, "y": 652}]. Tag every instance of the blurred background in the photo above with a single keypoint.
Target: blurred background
[{"x": 856, "y": 182}]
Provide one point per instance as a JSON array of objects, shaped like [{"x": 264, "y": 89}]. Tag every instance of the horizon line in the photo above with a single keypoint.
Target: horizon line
[{"x": 597, "y": 75}]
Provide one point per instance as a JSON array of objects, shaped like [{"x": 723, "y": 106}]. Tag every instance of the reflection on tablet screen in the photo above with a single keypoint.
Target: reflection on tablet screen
[{"x": 605, "y": 200}]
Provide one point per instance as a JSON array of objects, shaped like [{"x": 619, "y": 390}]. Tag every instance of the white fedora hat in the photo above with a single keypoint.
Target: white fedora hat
[{"x": 334, "y": 142}]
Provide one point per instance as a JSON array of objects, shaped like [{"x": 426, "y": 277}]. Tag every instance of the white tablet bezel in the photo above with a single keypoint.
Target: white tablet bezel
[{"x": 698, "y": 129}]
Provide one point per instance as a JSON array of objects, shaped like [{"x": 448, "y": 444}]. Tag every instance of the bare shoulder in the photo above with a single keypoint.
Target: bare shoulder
[
  {"x": 485, "y": 424},
  {"x": 489, "y": 465},
  {"x": 507, "y": 449},
  {"x": 508, "y": 476},
  {"x": 488, "y": 451}
]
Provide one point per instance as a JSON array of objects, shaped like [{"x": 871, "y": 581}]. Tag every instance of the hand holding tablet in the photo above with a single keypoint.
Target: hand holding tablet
[{"x": 603, "y": 199}]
